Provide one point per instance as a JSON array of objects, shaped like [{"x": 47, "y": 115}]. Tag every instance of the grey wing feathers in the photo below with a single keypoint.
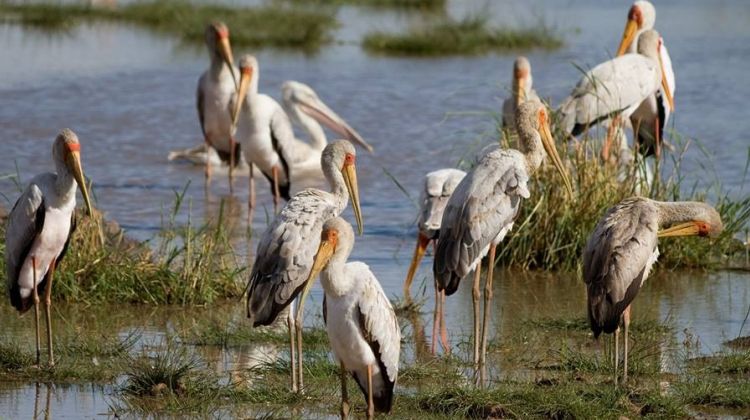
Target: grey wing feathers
[
  {"x": 25, "y": 222},
  {"x": 616, "y": 259},
  {"x": 379, "y": 326},
  {"x": 199, "y": 102},
  {"x": 485, "y": 201},
  {"x": 285, "y": 255},
  {"x": 607, "y": 89}
]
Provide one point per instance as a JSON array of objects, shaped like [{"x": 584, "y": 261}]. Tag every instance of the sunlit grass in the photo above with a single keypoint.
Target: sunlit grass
[
  {"x": 264, "y": 26},
  {"x": 470, "y": 36}
]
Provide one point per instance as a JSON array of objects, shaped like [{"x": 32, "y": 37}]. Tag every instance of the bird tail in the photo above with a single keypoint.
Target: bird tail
[
  {"x": 262, "y": 306},
  {"x": 604, "y": 315},
  {"x": 24, "y": 304}
]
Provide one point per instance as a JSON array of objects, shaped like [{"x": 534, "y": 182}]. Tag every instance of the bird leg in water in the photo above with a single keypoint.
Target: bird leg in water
[
  {"x": 232, "y": 147},
  {"x": 344, "y": 393},
  {"x": 657, "y": 149},
  {"x": 626, "y": 321},
  {"x": 487, "y": 306},
  {"x": 435, "y": 319},
  {"x": 48, "y": 310},
  {"x": 370, "y": 403},
  {"x": 36, "y": 310},
  {"x": 475, "y": 301},
  {"x": 276, "y": 193},
  {"x": 443, "y": 328},
  {"x": 293, "y": 362},
  {"x": 251, "y": 196},
  {"x": 207, "y": 169}
]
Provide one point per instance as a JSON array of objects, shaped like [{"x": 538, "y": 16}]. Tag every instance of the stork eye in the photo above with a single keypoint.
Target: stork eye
[
  {"x": 349, "y": 159},
  {"x": 703, "y": 229}
]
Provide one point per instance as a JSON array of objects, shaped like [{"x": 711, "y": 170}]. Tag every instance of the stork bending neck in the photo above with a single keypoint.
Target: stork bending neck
[
  {"x": 318, "y": 139},
  {"x": 333, "y": 279},
  {"x": 65, "y": 184},
  {"x": 530, "y": 144},
  {"x": 682, "y": 211},
  {"x": 338, "y": 187}
]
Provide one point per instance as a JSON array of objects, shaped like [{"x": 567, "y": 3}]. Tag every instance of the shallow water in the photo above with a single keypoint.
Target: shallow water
[{"x": 129, "y": 94}]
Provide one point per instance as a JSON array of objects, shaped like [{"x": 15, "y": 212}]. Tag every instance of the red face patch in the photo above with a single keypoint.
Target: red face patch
[
  {"x": 636, "y": 15},
  {"x": 703, "y": 229},
  {"x": 73, "y": 147},
  {"x": 247, "y": 70},
  {"x": 520, "y": 73},
  {"x": 541, "y": 117},
  {"x": 222, "y": 32},
  {"x": 349, "y": 159}
]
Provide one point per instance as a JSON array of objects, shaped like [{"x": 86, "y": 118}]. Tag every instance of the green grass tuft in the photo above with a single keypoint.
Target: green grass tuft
[
  {"x": 470, "y": 36},
  {"x": 263, "y": 26}
]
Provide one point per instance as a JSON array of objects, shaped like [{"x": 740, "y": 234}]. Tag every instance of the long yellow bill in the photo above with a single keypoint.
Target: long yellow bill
[
  {"x": 683, "y": 229},
  {"x": 80, "y": 179},
  {"x": 325, "y": 252},
  {"x": 226, "y": 53},
  {"x": 422, "y": 242},
  {"x": 245, "y": 78},
  {"x": 627, "y": 37},
  {"x": 549, "y": 146},
  {"x": 664, "y": 83},
  {"x": 350, "y": 178}
]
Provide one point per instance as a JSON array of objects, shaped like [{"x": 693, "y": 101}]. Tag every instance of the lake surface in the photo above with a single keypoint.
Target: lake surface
[{"x": 129, "y": 94}]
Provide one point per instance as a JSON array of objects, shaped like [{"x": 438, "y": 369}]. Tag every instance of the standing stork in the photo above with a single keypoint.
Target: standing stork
[
  {"x": 483, "y": 207},
  {"x": 284, "y": 257},
  {"x": 265, "y": 133},
  {"x": 523, "y": 90},
  {"x": 215, "y": 89},
  {"x": 620, "y": 253},
  {"x": 616, "y": 88},
  {"x": 305, "y": 108},
  {"x": 362, "y": 327},
  {"x": 650, "y": 118},
  {"x": 39, "y": 230},
  {"x": 438, "y": 187}
]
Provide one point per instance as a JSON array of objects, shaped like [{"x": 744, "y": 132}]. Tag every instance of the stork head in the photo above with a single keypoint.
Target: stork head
[
  {"x": 522, "y": 80},
  {"x": 340, "y": 157},
  {"x": 67, "y": 150},
  {"x": 704, "y": 220},
  {"x": 641, "y": 16},
  {"x": 650, "y": 45},
  {"x": 248, "y": 82}
]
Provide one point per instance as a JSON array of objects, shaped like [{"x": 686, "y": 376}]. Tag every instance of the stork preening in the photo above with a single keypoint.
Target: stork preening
[
  {"x": 39, "y": 230},
  {"x": 616, "y": 88},
  {"x": 285, "y": 253},
  {"x": 522, "y": 90},
  {"x": 482, "y": 210},
  {"x": 621, "y": 251},
  {"x": 362, "y": 327},
  {"x": 216, "y": 87},
  {"x": 438, "y": 187},
  {"x": 651, "y": 116}
]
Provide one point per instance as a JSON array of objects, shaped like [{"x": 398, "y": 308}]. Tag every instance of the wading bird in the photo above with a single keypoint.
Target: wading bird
[
  {"x": 616, "y": 88},
  {"x": 650, "y": 118},
  {"x": 305, "y": 108},
  {"x": 265, "y": 133},
  {"x": 621, "y": 251},
  {"x": 438, "y": 187},
  {"x": 362, "y": 327},
  {"x": 215, "y": 89},
  {"x": 39, "y": 230},
  {"x": 483, "y": 207},
  {"x": 523, "y": 90},
  {"x": 285, "y": 253}
]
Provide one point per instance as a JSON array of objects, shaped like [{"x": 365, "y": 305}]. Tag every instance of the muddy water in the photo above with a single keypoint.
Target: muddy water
[{"x": 130, "y": 96}]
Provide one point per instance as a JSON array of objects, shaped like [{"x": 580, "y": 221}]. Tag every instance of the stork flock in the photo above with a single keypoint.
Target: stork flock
[{"x": 467, "y": 215}]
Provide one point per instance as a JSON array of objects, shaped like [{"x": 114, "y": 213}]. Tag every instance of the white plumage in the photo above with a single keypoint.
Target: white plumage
[{"x": 362, "y": 327}]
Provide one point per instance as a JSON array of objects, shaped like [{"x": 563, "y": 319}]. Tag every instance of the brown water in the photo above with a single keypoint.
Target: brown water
[{"x": 130, "y": 96}]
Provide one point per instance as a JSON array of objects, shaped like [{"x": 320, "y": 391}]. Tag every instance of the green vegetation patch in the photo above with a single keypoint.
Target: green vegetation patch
[
  {"x": 470, "y": 36},
  {"x": 429, "y": 5},
  {"x": 264, "y": 26}
]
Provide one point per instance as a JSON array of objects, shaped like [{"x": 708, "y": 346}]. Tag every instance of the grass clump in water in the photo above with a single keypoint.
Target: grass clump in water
[
  {"x": 250, "y": 26},
  {"x": 470, "y": 36}
]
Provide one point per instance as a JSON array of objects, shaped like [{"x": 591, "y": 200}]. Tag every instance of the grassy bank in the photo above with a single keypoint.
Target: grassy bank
[
  {"x": 551, "y": 230},
  {"x": 264, "y": 26},
  {"x": 427, "y": 5},
  {"x": 470, "y": 36}
]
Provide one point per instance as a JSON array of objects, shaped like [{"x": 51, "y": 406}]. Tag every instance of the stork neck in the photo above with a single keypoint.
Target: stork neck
[
  {"x": 65, "y": 184},
  {"x": 338, "y": 187},
  {"x": 681, "y": 212},
  {"x": 318, "y": 138},
  {"x": 532, "y": 149},
  {"x": 334, "y": 280}
]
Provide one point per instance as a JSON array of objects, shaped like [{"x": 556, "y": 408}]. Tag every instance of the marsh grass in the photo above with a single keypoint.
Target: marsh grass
[
  {"x": 561, "y": 226},
  {"x": 228, "y": 334},
  {"x": 469, "y": 36},
  {"x": 191, "y": 266},
  {"x": 427, "y": 5},
  {"x": 264, "y": 26}
]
